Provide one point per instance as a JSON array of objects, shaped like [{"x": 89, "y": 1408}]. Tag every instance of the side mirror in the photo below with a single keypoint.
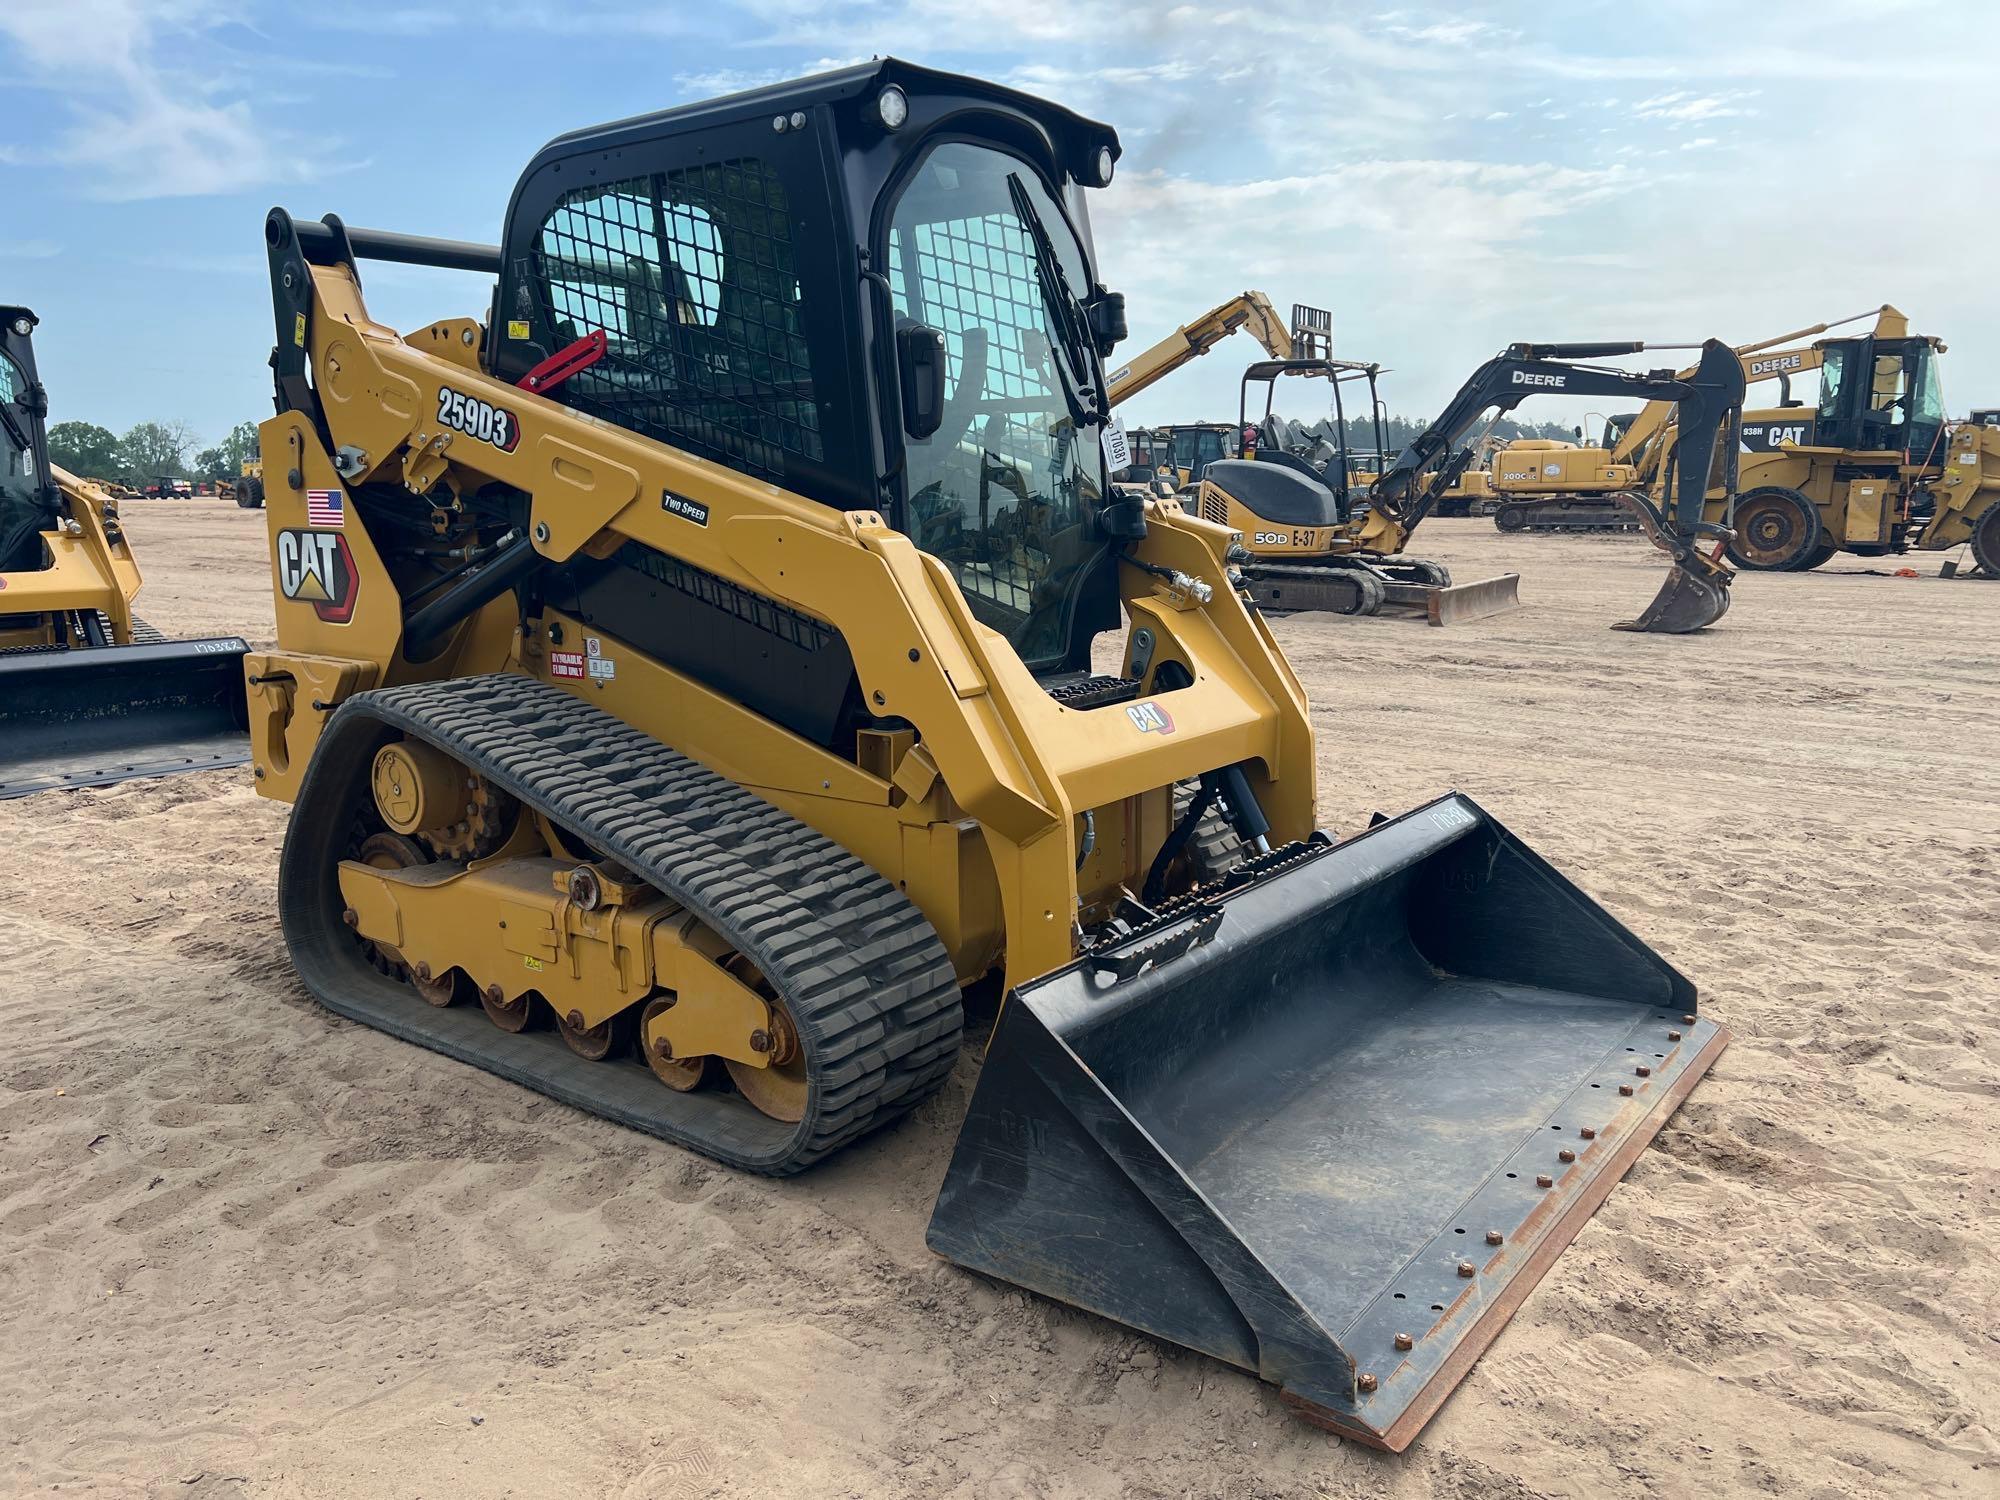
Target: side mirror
[
  {"x": 1107, "y": 321},
  {"x": 920, "y": 366},
  {"x": 1122, "y": 520}
]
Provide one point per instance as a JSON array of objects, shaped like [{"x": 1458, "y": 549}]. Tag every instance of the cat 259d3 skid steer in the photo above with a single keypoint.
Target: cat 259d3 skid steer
[
  {"x": 89, "y": 693},
  {"x": 684, "y": 690}
]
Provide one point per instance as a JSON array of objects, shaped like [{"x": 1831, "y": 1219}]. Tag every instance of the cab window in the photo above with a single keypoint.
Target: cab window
[{"x": 692, "y": 276}]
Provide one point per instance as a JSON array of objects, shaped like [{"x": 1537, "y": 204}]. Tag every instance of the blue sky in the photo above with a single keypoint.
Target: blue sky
[{"x": 1445, "y": 178}]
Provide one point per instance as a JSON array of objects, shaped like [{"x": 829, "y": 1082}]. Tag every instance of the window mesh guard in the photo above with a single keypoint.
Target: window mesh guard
[
  {"x": 692, "y": 276},
  {"x": 974, "y": 280}
]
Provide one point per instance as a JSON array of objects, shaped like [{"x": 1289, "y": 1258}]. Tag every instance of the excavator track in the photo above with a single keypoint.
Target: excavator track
[
  {"x": 1351, "y": 584},
  {"x": 858, "y": 967},
  {"x": 1605, "y": 515}
]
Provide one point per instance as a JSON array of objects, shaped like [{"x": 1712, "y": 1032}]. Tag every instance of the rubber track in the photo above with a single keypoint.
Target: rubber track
[{"x": 862, "y": 972}]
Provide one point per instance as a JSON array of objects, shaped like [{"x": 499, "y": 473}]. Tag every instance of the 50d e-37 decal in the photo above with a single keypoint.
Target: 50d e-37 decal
[
  {"x": 315, "y": 567},
  {"x": 479, "y": 419}
]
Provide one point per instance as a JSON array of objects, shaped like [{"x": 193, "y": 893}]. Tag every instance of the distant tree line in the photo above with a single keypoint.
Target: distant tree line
[
  {"x": 1398, "y": 431},
  {"x": 150, "y": 450}
]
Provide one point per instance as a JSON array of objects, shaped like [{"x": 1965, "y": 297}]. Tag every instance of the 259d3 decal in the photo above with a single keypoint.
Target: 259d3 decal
[{"x": 479, "y": 419}]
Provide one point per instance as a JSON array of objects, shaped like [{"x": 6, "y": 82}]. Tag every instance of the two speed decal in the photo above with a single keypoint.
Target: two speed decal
[{"x": 479, "y": 419}]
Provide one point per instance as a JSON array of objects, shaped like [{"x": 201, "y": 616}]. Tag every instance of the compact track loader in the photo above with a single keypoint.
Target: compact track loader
[
  {"x": 89, "y": 693},
  {"x": 1873, "y": 468},
  {"x": 684, "y": 692}
]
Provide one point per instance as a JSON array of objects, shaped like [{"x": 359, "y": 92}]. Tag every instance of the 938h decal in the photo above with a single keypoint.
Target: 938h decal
[{"x": 479, "y": 419}]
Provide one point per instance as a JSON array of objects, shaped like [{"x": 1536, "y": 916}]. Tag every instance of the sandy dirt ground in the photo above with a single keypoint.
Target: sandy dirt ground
[{"x": 249, "y": 1249}]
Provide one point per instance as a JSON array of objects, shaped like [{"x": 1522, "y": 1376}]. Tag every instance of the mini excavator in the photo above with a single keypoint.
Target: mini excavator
[
  {"x": 684, "y": 690},
  {"x": 1313, "y": 537}
]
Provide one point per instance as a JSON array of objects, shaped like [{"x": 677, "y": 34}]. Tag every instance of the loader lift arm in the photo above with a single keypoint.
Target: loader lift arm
[{"x": 1248, "y": 310}]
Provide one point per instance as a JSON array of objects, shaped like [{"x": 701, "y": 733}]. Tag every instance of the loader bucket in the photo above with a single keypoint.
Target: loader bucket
[
  {"x": 1334, "y": 1125},
  {"x": 95, "y": 715}
]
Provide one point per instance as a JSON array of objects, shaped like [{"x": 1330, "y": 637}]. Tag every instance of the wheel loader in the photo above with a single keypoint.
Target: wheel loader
[
  {"x": 684, "y": 692},
  {"x": 1546, "y": 485},
  {"x": 89, "y": 693},
  {"x": 1872, "y": 469},
  {"x": 1311, "y": 538}
]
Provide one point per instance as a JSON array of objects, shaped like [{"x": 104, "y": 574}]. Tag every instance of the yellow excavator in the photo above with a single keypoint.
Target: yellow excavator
[
  {"x": 89, "y": 693},
  {"x": 1308, "y": 540},
  {"x": 1542, "y": 484},
  {"x": 684, "y": 693}
]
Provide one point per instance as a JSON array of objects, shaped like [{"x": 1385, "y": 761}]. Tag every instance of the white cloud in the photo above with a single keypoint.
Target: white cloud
[
  {"x": 29, "y": 249},
  {"x": 139, "y": 125},
  {"x": 1684, "y": 108}
]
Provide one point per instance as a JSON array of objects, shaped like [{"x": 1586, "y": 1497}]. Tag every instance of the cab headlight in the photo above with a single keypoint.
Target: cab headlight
[{"x": 892, "y": 108}]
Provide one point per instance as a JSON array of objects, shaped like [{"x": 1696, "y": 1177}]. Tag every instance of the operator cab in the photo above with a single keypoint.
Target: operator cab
[
  {"x": 875, "y": 288},
  {"x": 1337, "y": 472},
  {"x": 1881, "y": 396},
  {"x": 29, "y": 499}
]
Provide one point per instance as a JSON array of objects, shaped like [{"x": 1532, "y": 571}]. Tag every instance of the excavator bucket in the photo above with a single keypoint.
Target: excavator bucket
[
  {"x": 1333, "y": 1125},
  {"x": 1696, "y": 592},
  {"x": 1694, "y": 596},
  {"x": 95, "y": 715}
]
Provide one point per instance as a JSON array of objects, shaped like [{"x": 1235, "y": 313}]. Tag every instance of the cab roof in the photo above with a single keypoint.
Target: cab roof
[{"x": 843, "y": 84}]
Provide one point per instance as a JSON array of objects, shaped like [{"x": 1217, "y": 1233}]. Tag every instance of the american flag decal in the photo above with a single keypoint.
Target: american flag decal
[{"x": 326, "y": 508}]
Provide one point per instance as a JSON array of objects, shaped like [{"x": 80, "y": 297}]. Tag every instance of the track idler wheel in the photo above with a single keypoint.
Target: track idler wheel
[
  {"x": 390, "y": 851},
  {"x": 779, "y": 1088},
  {"x": 1511, "y": 518}
]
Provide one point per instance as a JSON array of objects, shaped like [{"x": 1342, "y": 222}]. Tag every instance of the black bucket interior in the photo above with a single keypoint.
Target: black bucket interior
[
  {"x": 1306, "y": 1125},
  {"x": 95, "y": 715}
]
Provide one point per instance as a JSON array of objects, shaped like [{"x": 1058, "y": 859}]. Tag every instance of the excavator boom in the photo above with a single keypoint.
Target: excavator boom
[{"x": 1708, "y": 403}]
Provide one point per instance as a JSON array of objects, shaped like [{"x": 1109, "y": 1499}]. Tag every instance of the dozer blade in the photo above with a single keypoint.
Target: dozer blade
[
  {"x": 1456, "y": 603},
  {"x": 94, "y": 715},
  {"x": 1333, "y": 1125}
]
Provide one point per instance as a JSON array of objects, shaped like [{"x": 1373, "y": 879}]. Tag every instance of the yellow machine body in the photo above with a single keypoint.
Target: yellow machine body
[
  {"x": 543, "y": 701},
  {"x": 88, "y": 693},
  {"x": 979, "y": 825}
]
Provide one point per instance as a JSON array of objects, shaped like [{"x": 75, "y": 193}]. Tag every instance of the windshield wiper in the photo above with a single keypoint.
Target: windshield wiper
[
  {"x": 1072, "y": 325},
  {"x": 14, "y": 429}
]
